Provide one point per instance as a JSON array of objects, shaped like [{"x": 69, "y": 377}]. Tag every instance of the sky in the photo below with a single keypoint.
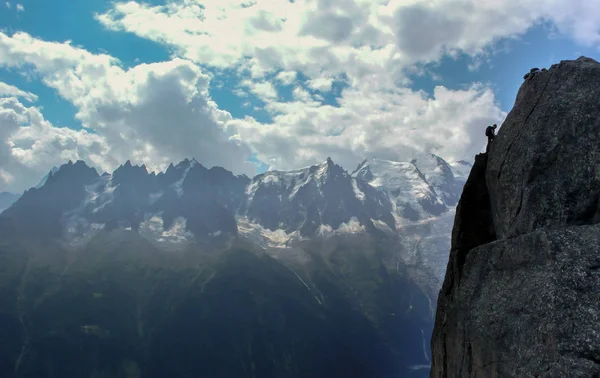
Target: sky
[{"x": 252, "y": 85}]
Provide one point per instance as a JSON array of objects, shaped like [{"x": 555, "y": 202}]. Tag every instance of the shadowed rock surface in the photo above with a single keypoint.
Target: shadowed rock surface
[{"x": 521, "y": 297}]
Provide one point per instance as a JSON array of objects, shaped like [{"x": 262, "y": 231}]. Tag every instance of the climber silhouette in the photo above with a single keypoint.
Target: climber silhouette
[{"x": 489, "y": 133}]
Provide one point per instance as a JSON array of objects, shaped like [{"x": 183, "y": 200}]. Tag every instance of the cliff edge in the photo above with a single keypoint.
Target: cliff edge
[{"x": 521, "y": 296}]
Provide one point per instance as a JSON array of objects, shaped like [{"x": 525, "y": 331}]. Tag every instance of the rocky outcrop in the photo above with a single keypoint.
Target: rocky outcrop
[
  {"x": 521, "y": 297},
  {"x": 544, "y": 167}
]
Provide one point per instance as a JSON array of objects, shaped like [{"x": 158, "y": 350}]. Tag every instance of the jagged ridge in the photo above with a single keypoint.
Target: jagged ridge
[{"x": 311, "y": 201}]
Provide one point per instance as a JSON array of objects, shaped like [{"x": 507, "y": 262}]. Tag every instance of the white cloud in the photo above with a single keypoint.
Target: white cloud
[
  {"x": 373, "y": 46},
  {"x": 265, "y": 90},
  {"x": 151, "y": 113},
  {"x": 322, "y": 84},
  {"x": 355, "y": 37},
  {"x": 6, "y": 177},
  {"x": 393, "y": 125},
  {"x": 20, "y": 8},
  {"x": 240, "y": 92},
  {"x": 8, "y": 5},
  {"x": 30, "y": 146},
  {"x": 301, "y": 94},
  {"x": 287, "y": 77},
  {"x": 7, "y": 90},
  {"x": 155, "y": 113}
]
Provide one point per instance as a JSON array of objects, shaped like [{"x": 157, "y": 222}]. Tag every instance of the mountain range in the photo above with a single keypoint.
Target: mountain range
[
  {"x": 164, "y": 264},
  {"x": 411, "y": 202}
]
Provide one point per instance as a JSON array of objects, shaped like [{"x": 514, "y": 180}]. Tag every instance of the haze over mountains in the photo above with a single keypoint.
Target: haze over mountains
[
  {"x": 348, "y": 263},
  {"x": 7, "y": 199},
  {"x": 411, "y": 202}
]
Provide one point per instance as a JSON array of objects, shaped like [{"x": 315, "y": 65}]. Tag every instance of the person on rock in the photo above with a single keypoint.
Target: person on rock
[{"x": 489, "y": 133}]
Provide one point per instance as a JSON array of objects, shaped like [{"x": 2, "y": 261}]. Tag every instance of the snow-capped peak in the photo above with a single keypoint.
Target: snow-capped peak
[
  {"x": 292, "y": 181},
  {"x": 184, "y": 166},
  {"x": 438, "y": 173},
  {"x": 461, "y": 169},
  {"x": 412, "y": 197}
]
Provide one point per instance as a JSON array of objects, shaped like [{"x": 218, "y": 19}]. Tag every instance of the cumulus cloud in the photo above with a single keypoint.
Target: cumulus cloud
[
  {"x": 396, "y": 125},
  {"x": 7, "y": 90},
  {"x": 155, "y": 113},
  {"x": 151, "y": 113},
  {"x": 322, "y": 84},
  {"x": 30, "y": 146},
  {"x": 240, "y": 92},
  {"x": 20, "y": 8},
  {"x": 301, "y": 94},
  {"x": 264, "y": 90},
  {"x": 355, "y": 37},
  {"x": 287, "y": 77},
  {"x": 373, "y": 46},
  {"x": 328, "y": 26}
]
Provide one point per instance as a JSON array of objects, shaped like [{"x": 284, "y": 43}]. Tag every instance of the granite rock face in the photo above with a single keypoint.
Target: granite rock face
[
  {"x": 544, "y": 166},
  {"x": 521, "y": 297}
]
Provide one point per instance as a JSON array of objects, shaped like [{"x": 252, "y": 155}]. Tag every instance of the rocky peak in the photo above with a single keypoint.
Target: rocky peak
[
  {"x": 131, "y": 174},
  {"x": 70, "y": 173},
  {"x": 313, "y": 199},
  {"x": 175, "y": 173},
  {"x": 45, "y": 178},
  {"x": 327, "y": 170},
  {"x": 520, "y": 297},
  {"x": 438, "y": 173},
  {"x": 412, "y": 197},
  {"x": 41, "y": 209}
]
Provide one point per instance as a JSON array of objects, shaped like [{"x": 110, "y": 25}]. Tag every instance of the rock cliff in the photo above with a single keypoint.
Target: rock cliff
[{"x": 521, "y": 297}]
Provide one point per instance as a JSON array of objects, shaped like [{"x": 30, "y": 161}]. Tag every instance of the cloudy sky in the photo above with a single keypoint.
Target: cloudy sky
[{"x": 258, "y": 84}]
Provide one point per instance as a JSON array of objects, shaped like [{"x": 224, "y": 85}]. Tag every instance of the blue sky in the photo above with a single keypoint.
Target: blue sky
[{"x": 304, "y": 119}]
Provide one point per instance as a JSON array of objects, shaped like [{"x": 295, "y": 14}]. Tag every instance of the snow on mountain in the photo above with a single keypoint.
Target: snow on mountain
[
  {"x": 423, "y": 193},
  {"x": 409, "y": 204},
  {"x": 411, "y": 196},
  {"x": 153, "y": 229},
  {"x": 324, "y": 199},
  {"x": 182, "y": 169},
  {"x": 313, "y": 200},
  {"x": 439, "y": 175},
  {"x": 461, "y": 170},
  {"x": 264, "y": 237},
  {"x": 424, "y": 248},
  {"x": 292, "y": 181}
]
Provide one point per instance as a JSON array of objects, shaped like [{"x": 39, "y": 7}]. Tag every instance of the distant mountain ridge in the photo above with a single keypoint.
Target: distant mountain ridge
[
  {"x": 309, "y": 201},
  {"x": 411, "y": 204}
]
